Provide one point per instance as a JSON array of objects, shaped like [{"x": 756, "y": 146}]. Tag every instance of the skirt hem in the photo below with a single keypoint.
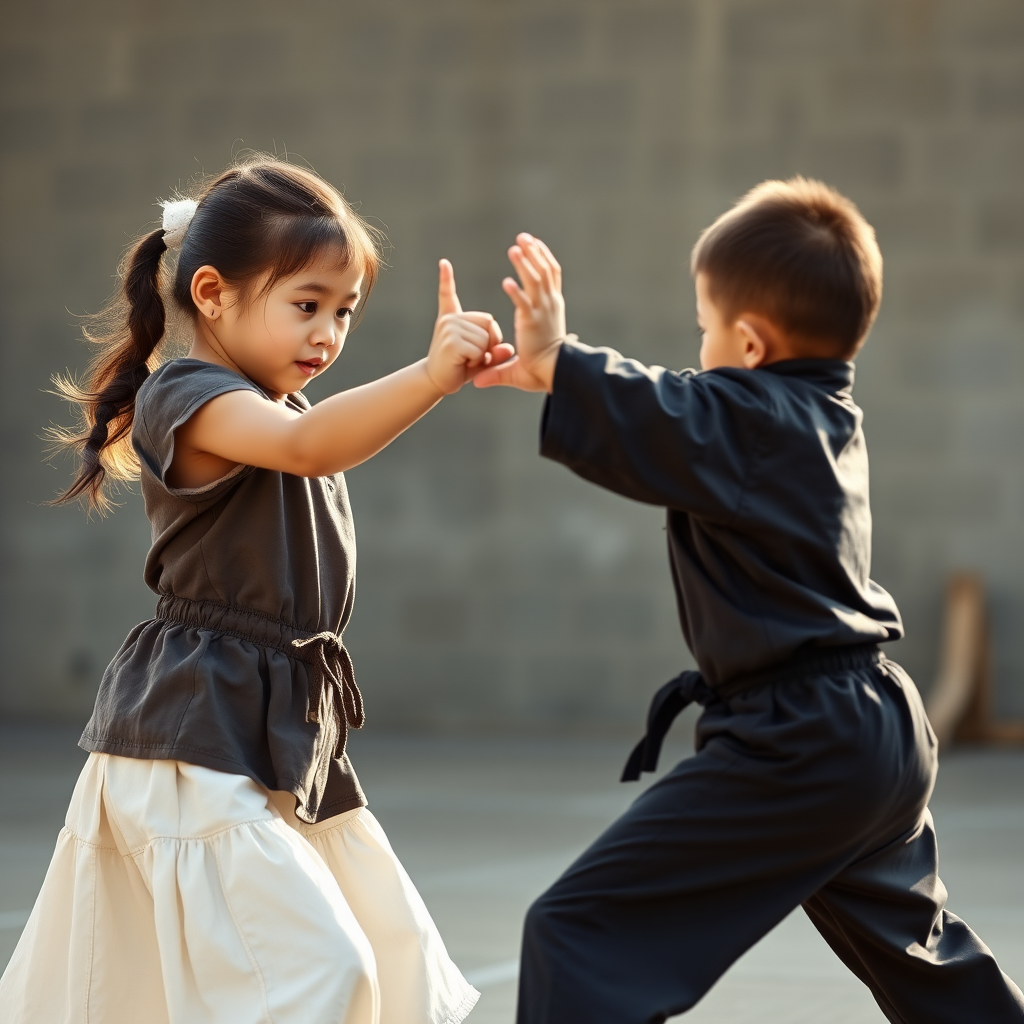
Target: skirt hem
[{"x": 462, "y": 1011}]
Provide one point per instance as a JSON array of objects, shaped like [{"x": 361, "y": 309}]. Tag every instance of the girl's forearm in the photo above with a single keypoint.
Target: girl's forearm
[{"x": 348, "y": 428}]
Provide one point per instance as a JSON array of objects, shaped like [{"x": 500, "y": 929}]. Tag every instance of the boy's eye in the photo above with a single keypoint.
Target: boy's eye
[
  {"x": 344, "y": 312},
  {"x": 307, "y": 307}
]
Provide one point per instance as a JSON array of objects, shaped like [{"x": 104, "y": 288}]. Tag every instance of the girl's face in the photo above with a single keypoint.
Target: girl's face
[{"x": 285, "y": 337}]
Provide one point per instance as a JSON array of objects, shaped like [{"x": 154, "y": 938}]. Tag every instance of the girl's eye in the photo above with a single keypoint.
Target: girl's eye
[
  {"x": 344, "y": 312},
  {"x": 307, "y": 307}
]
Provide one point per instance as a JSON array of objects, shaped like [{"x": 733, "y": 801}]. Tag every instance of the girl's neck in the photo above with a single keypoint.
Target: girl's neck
[{"x": 208, "y": 350}]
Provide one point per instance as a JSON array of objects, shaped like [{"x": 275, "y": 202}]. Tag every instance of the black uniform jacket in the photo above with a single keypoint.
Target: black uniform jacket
[{"x": 765, "y": 477}]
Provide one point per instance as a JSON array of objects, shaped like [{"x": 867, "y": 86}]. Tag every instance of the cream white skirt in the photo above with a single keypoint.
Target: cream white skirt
[{"x": 181, "y": 895}]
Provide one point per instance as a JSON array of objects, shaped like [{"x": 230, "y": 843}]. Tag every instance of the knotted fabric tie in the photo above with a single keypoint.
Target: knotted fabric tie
[
  {"x": 687, "y": 687},
  {"x": 336, "y": 683}
]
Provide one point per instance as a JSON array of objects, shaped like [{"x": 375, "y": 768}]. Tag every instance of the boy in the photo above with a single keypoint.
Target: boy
[{"x": 814, "y": 759}]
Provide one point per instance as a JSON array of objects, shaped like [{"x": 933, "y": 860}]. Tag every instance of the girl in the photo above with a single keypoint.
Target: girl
[{"x": 219, "y": 863}]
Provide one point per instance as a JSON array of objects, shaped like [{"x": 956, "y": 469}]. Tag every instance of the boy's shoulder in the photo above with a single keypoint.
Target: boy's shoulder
[
  {"x": 831, "y": 376},
  {"x": 791, "y": 406},
  {"x": 785, "y": 385},
  {"x": 796, "y": 394}
]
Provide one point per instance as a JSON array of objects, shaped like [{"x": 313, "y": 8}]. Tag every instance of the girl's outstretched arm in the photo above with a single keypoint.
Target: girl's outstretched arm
[{"x": 348, "y": 428}]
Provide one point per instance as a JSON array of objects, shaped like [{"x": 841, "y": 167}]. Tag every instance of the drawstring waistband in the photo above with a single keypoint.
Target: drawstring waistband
[
  {"x": 334, "y": 680},
  {"x": 689, "y": 687},
  {"x": 347, "y": 704}
]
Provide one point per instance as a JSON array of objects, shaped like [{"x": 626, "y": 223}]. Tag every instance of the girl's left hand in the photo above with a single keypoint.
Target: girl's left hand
[{"x": 463, "y": 344}]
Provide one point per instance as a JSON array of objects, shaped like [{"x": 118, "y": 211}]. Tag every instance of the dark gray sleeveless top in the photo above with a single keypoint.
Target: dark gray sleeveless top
[{"x": 242, "y": 669}]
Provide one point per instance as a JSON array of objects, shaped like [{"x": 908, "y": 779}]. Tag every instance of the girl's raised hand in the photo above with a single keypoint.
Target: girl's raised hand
[{"x": 463, "y": 344}]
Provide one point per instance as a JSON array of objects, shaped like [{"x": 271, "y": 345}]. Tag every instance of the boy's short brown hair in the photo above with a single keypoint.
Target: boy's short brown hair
[{"x": 801, "y": 255}]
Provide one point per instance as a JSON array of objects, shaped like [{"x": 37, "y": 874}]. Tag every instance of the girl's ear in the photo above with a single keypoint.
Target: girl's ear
[{"x": 209, "y": 292}]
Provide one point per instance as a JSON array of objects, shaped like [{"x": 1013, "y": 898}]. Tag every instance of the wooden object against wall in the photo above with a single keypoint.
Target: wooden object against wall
[{"x": 960, "y": 704}]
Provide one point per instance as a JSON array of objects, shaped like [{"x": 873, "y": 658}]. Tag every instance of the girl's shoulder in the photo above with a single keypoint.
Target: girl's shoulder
[
  {"x": 169, "y": 397},
  {"x": 177, "y": 388},
  {"x": 183, "y": 380},
  {"x": 186, "y": 375}
]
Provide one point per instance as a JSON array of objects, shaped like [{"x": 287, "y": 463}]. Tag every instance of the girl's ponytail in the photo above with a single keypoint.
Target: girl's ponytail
[{"x": 131, "y": 329}]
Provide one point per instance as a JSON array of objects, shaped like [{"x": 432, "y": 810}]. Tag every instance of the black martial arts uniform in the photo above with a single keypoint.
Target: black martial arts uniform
[{"x": 815, "y": 760}]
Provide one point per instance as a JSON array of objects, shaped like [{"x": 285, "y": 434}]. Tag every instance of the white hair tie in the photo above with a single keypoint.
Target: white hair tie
[{"x": 177, "y": 216}]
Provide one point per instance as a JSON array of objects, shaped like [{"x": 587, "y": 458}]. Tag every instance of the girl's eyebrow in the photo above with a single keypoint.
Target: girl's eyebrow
[{"x": 321, "y": 289}]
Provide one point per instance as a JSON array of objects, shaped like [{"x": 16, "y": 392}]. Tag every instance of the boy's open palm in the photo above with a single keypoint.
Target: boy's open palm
[
  {"x": 463, "y": 344},
  {"x": 539, "y": 319}
]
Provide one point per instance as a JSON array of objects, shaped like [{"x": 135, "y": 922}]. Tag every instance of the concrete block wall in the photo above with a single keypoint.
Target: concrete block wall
[{"x": 495, "y": 589}]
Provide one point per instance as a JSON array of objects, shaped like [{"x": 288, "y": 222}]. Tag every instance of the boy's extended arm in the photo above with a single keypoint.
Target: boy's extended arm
[
  {"x": 673, "y": 439},
  {"x": 659, "y": 437}
]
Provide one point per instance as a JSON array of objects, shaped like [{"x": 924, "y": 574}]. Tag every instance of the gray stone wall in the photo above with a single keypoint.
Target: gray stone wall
[{"x": 495, "y": 588}]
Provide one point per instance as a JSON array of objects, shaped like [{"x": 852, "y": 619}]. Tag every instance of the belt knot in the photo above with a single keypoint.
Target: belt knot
[
  {"x": 335, "y": 684},
  {"x": 676, "y": 694},
  {"x": 689, "y": 687}
]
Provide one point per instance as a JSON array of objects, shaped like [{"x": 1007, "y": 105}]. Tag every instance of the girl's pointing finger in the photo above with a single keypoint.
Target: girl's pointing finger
[{"x": 447, "y": 299}]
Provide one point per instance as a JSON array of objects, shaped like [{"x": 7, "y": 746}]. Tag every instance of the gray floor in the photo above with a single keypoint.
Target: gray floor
[{"x": 484, "y": 824}]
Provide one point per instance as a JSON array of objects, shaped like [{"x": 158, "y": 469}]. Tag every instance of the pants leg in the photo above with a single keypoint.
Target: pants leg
[
  {"x": 791, "y": 785},
  {"x": 645, "y": 921},
  {"x": 885, "y": 917}
]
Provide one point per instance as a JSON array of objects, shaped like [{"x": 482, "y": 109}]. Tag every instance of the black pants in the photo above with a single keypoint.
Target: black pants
[{"x": 810, "y": 792}]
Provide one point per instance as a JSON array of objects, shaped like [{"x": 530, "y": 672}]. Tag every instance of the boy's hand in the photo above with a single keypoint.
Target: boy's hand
[
  {"x": 539, "y": 319},
  {"x": 463, "y": 344}
]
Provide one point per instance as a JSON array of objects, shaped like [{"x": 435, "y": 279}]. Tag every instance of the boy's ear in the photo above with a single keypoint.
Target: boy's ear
[
  {"x": 208, "y": 292},
  {"x": 756, "y": 341}
]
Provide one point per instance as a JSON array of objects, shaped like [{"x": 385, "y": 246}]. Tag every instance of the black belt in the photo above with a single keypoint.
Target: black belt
[
  {"x": 689, "y": 688},
  {"x": 334, "y": 681}
]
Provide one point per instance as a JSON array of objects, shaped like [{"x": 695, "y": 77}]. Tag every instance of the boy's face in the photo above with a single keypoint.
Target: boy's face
[
  {"x": 751, "y": 339},
  {"x": 722, "y": 343}
]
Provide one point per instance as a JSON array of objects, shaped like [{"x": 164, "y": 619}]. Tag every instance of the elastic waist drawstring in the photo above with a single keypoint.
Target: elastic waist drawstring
[
  {"x": 336, "y": 676},
  {"x": 334, "y": 680}
]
